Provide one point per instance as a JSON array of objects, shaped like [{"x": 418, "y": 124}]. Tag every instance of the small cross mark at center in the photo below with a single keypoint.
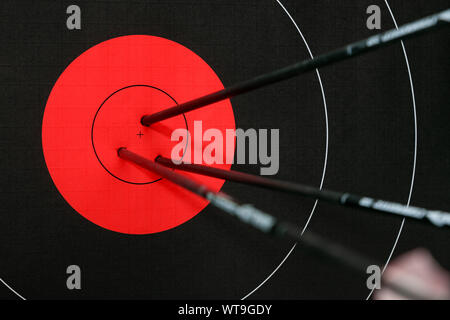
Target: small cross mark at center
[{"x": 140, "y": 134}]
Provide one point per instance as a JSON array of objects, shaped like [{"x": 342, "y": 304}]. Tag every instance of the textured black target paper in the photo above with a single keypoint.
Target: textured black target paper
[{"x": 370, "y": 149}]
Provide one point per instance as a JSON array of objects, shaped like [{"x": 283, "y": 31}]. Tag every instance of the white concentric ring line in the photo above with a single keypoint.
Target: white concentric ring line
[
  {"x": 325, "y": 160},
  {"x": 415, "y": 145},
  {"x": 11, "y": 289}
]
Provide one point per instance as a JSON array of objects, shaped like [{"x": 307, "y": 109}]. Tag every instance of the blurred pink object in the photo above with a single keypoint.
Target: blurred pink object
[{"x": 420, "y": 272}]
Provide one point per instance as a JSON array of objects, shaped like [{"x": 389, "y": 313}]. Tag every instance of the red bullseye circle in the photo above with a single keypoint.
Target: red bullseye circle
[{"x": 95, "y": 108}]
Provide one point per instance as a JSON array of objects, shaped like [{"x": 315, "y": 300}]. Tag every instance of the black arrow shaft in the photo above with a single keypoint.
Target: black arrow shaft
[
  {"x": 346, "y": 52},
  {"x": 438, "y": 218},
  {"x": 268, "y": 224}
]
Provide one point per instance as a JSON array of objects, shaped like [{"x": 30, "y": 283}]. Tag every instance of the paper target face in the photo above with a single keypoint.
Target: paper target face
[{"x": 77, "y": 80}]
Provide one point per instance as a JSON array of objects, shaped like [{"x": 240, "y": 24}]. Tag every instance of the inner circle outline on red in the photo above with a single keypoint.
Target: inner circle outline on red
[
  {"x": 69, "y": 113},
  {"x": 93, "y": 128}
]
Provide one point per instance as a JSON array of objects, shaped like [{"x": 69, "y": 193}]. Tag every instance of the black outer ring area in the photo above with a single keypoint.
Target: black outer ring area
[{"x": 95, "y": 118}]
